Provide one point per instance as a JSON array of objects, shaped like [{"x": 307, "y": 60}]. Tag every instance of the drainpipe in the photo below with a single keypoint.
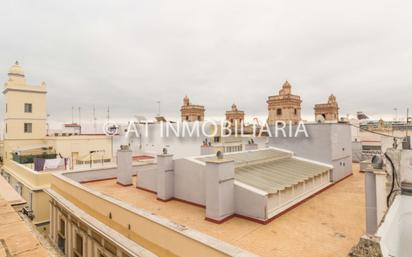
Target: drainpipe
[{"x": 370, "y": 198}]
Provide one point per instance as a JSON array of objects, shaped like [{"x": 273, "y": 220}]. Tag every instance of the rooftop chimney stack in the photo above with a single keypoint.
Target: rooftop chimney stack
[
  {"x": 165, "y": 176},
  {"x": 124, "y": 166},
  {"x": 220, "y": 177}
]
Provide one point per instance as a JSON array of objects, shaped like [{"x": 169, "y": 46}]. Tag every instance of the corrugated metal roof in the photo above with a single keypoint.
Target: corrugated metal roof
[
  {"x": 271, "y": 170},
  {"x": 277, "y": 175},
  {"x": 250, "y": 157}
]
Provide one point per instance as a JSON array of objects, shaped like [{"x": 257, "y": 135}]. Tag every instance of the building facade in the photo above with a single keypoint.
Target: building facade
[
  {"x": 25, "y": 110},
  {"x": 284, "y": 107},
  {"x": 26, "y": 138},
  {"x": 191, "y": 112},
  {"x": 327, "y": 111}
]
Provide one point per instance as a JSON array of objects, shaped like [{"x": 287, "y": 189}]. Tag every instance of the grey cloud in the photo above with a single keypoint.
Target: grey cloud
[{"x": 130, "y": 54}]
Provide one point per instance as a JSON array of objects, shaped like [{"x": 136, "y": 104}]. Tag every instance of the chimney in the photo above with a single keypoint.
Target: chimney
[
  {"x": 220, "y": 177},
  {"x": 124, "y": 166},
  {"x": 165, "y": 176}
]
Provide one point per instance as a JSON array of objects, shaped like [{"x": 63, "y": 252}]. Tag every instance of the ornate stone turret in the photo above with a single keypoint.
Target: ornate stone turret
[
  {"x": 191, "y": 112},
  {"x": 285, "y": 106},
  {"x": 234, "y": 115},
  {"x": 186, "y": 101},
  {"x": 328, "y": 111}
]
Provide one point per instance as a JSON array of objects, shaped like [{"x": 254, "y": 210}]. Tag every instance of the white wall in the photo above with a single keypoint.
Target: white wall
[
  {"x": 249, "y": 203},
  {"x": 190, "y": 181}
]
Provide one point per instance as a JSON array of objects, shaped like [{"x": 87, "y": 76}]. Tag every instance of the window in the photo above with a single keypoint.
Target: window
[
  {"x": 61, "y": 237},
  {"x": 279, "y": 111},
  {"x": 62, "y": 229},
  {"x": 18, "y": 187},
  {"x": 198, "y": 117},
  {"x": 296, "y": 111},
  {"x": 27, "y": 127},
  {"x": 187, "y": 117},
  {"x": 78, "y": 250},
  {"x": 28, "y": 107}
]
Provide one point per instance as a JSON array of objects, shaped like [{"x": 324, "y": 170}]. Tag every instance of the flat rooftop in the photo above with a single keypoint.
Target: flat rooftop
[
  {"x": 328, "y": 224},
  {"x": 8, "y": 193},
  {"x": 16, "y": 237}
]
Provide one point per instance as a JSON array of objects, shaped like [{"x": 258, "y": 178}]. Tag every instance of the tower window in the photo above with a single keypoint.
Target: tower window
[
  {"x": 28, "y": 107},
  {"x": 198, "y": 118},
  {"x": 296, "y": 111},
  {"x": 187, "y": 117},
  {"x": 28, "y": 127},
  {"x": 279, "y": 111}
]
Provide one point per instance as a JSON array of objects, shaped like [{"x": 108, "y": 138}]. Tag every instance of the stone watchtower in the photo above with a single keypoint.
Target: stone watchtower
[
  {"x": 285, "y": 106},
  {"x": 234, "y": 115},
  {"x": 328, "y": 111},
  {"x": 25, "y": 111},
  {"x": 191, "y": 112}
]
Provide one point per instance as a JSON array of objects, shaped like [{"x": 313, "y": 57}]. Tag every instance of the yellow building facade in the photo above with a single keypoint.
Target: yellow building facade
[{"x": 25, "y": 136}]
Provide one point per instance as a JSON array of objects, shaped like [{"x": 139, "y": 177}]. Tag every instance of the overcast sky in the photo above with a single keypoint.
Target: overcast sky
[{"x": 130, "y": 54}]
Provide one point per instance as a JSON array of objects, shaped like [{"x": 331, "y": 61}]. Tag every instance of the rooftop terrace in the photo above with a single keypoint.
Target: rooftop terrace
[{"x": 328, "y": 224}]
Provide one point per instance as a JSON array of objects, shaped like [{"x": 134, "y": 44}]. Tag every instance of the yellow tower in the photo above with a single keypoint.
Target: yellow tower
[{"x": 25, "y": 109}]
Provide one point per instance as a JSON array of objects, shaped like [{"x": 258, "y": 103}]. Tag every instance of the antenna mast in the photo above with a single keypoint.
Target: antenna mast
[
  {"x": 72, "y": 114},
  {"x": 94, "y": 119},
  {"x": 407, "y": 121},
  {"x": 158, "y": 108},
  {"x": 80, "y": 118}
]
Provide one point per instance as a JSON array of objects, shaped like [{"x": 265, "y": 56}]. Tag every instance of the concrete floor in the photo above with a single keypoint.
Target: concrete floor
[{"x": 328, "y": 224}]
